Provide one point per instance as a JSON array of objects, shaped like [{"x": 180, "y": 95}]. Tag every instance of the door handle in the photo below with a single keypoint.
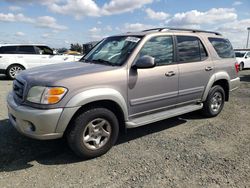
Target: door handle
[
  {"x": 20, "y": 56},
  {"x": 170, "y": 73},
  {"x": 209, "y": 68},
  {"x": 44, "y": 57}
]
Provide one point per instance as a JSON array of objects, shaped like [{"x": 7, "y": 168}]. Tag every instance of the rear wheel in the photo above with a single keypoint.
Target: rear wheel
[
  {"x": 93, "y": 132},
  {"x": 13, "y": 70},
  {"x": 214, "y": 102}
]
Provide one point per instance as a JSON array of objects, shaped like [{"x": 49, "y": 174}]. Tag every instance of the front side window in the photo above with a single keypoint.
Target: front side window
[
  {"x": 8, "y": 49},
  {"x": 26, "y": 50},
  {"x": 223, "y": 47},
  {"x": 190, "y": 49},
  {"x": 112, "y": 50},
  {"x": 161, "y": 48},
  {"x": 43, "y": 50}
]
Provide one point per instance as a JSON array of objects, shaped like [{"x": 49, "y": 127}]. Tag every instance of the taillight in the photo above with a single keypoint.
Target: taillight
[{"x": 237, "y": 67}]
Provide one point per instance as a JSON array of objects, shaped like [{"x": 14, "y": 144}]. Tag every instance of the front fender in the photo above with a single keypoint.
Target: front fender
[
  {"x": 85, "y": 97},
  {"x": 212, "y": 80}
]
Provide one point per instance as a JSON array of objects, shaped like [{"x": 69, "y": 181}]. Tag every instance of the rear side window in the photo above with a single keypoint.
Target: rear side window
[
  {"x": 8, "y": 49},
  {"x": 26, "y": 50},
  {"x": 190, "y": 49},
  {"x": 223, "y": 47}
]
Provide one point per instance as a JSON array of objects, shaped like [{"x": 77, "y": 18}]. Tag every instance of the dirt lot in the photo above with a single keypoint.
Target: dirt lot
[{"x": 188, "y": 151}]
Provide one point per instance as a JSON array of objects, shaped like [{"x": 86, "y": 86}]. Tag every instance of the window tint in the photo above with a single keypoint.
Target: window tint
[
  {"x": 240, "y": 54},
  {"x": 8, "y": 50},
  {"x": 248, "y": 54},
  {"x": 43, "y": 50},
  {"x": 223, "y": 47},
  {"x": 190, "y": 49},
  {"x": 161, "y": 48},
  {"x": 26, "y": 50}
]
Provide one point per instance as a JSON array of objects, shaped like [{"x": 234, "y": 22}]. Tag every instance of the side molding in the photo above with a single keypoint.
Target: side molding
[{"x": 214, "y": 78}]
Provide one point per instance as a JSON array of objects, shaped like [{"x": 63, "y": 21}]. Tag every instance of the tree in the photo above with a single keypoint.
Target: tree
[{"x": 76, "y": 47}]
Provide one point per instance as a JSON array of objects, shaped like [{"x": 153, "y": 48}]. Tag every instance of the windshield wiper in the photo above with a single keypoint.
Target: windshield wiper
[{"x": 102, "y": 61}]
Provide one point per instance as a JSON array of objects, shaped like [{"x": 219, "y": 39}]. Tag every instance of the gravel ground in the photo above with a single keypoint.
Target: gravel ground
[{"x": 187, "y": 151}]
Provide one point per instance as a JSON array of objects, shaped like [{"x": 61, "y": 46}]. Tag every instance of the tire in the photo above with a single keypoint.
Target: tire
[
  {"x": 214, "y": 102},
  {"x": 241, "y": 67},
  {"x": 93, "y": 132},
  {"x": 13, "y": 70}
]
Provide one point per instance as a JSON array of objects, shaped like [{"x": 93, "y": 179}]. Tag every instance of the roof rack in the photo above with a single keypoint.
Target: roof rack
[{"x": 181, "y": 29}]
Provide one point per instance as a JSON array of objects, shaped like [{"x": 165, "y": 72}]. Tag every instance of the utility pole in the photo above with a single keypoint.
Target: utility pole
[{"x": 248, "y": 29}]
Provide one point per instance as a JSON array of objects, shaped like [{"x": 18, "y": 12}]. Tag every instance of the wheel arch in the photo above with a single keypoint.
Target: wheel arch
[
  {"x": 16, "y": 64},
  {"x": 108, "y": 104},
  {"x": 220, "y": 78},
  {"x": 103, "y": 97}
]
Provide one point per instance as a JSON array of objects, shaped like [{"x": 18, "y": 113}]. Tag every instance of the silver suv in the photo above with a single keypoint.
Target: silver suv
[{"x": 125, "y": 81}]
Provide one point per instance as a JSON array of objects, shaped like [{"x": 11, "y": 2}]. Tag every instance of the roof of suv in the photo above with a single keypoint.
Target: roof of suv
[{"x": 172, "y": 30}]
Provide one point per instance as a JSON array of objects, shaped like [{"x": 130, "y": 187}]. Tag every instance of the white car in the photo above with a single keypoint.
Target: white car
[
  {"x": 243, "y": 59},
  {"x": 17, "y": 57}
]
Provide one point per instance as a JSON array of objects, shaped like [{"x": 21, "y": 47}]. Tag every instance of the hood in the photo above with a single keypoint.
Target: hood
[{"x": 50, "y": 74}]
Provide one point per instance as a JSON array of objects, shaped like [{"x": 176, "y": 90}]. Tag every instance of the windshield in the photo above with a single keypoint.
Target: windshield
[
  {"x": 239, "y": 54},
  {"x": 112, "y": 50}
]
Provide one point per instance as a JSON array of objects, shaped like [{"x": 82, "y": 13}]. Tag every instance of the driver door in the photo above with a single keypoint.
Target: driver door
[
  {"x": 47, "y": 57},
  {"x": 154, "y": 89}
]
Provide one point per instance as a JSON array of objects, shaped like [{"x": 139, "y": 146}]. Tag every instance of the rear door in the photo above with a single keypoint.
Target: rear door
[
  {"x": 154, "y": 88},
  {"x": 195, "y": 68},
  {"x": 27, "y": 54}
]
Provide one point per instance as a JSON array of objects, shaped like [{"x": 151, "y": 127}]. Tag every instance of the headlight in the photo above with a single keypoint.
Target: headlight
[{"x": 46, "y": 95}]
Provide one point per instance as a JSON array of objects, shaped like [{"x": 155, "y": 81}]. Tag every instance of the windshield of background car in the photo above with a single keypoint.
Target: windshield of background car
[
  {"x": 113, "y": 50},
  {"x": 240, "y": 54}
]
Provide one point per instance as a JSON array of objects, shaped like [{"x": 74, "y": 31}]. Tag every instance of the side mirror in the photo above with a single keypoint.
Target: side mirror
[
  {"x": 246, "y": 57},
  {"x": 145, "y": 62}
]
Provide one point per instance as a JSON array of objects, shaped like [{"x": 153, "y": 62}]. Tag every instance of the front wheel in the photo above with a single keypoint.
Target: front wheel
[
  {"x": 93, "y": 132},
  {"x": 214, "y": 102},
  {"x": 13, "y": 70}
]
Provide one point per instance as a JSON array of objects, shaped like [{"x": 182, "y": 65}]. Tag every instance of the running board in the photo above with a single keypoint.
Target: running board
[{"x": 137, "y": 122}]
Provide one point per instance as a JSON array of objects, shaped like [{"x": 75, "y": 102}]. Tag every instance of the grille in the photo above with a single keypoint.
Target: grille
[{"x": 18, "y": 88}]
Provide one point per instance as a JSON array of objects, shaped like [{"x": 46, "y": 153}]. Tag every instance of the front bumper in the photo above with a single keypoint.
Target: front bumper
[
  {"x": 32, "y": 122},
  {"x": 234, "y": 84}
]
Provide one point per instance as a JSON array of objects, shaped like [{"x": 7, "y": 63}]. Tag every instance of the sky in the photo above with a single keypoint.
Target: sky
[{"x": 58, "y": 23}]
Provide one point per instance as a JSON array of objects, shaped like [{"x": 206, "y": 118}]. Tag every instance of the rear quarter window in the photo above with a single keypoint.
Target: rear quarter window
[
  {"x": 223, "y": 47},
  {"x": 8, "y": 49}
]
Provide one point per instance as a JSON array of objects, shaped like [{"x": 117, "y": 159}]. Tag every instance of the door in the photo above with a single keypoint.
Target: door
[
  {"x": 195, "y": 68},
  {"x": 27, "y": 54},
  {"x": 154, "y": 88},
  {"x": 47, "y": 56},
  {"x": 247, "y": 60}
]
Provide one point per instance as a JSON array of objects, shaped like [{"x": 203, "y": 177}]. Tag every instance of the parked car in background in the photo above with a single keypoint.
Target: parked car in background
[
  {"x": 243, "y": 59},
  {"x": 17, "y": 57}
]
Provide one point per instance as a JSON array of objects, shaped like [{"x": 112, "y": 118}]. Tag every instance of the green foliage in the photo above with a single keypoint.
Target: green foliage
[{"x": 76, "y": 47}]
